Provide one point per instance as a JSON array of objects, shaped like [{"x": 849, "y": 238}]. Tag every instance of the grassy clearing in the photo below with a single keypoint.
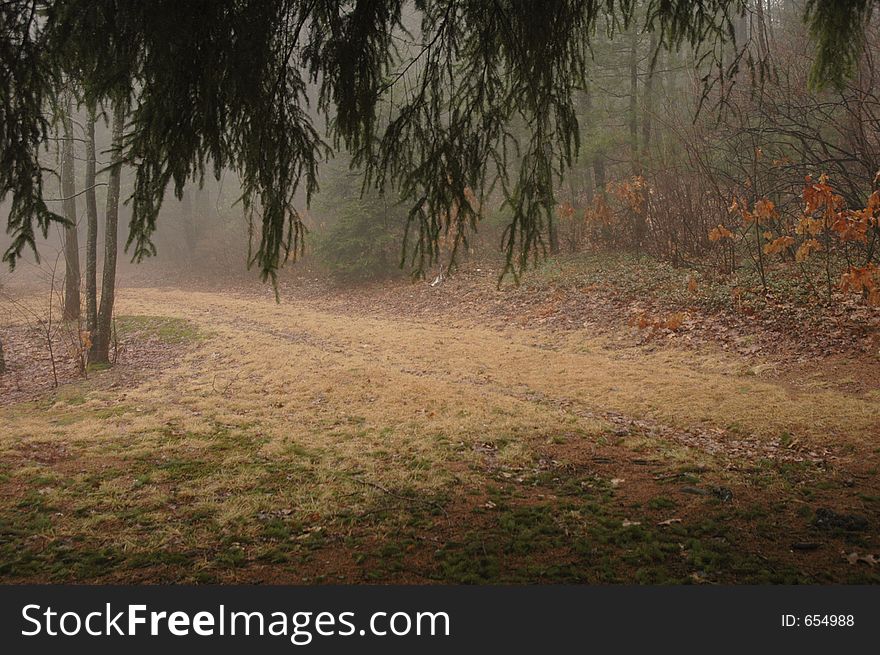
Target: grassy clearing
[
  {"x": 164, "y": 328},
  {"x": 288, "y": 444}
]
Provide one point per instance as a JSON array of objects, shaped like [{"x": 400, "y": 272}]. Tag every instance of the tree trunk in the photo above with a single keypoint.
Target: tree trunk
[
  {"x": 649, "y": 96},
  {"x": 763, "y": 41},
  {"x": 91, "y": 228},
  {"x": 639, "y": 226},
  {"x": 2, "y": 359},
  {"x": 589, "y": 187},
  {"x": 599, "y": 172},
  {"x": 188, "y": 224},
  {"x": 197, "y": 207},
  {"x": 100, "y": 350},
  {"x": 71, "y": 242},
  {"x": 633, "y": 119},
  {"x": 553, "y": 233},
  {"x": 741, "y": 30},
  {"x": 585, "y": 165},
  {"x": 598, "y": 158}
]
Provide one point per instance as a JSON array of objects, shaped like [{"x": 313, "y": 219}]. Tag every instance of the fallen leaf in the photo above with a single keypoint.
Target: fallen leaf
[
  {"x": 669, "y": 522},
  {"x": 855, "y": 558}
]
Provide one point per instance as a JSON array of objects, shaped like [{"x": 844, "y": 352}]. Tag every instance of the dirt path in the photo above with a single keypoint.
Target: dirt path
[{"x": 289, "y": 443}]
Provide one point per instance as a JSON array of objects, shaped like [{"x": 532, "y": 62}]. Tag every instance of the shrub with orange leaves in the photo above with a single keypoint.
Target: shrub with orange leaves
[
  {"x": 853, "y": 225},
  {"x": 763, "y": 212},
  {"x": 864, "y": 280},
  {"x": 600, "y": 212},
  {"x": 826, "y": 214},
  {"x": 819, "y": 197},
  {"x": 631, "y": 193},
  {"x": 825, "y": 225}
]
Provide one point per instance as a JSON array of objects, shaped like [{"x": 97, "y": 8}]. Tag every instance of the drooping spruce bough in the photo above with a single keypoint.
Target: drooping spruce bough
[{"x": 424, "y": 94}]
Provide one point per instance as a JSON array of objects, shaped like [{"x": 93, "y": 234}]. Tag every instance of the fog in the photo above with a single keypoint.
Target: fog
[{"x": 482, "y": 293}]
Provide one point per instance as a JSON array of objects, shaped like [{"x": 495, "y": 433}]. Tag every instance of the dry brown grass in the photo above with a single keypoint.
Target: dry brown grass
[
  {"x": 285, "y": 411},
  {"x": 413, "y": 366}
]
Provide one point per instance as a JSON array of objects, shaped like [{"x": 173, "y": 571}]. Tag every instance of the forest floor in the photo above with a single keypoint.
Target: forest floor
[{"x": 459, "y": 433}]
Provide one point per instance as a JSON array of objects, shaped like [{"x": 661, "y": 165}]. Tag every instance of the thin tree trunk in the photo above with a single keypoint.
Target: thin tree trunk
[
  {"x": 100, "y": 350},
  {"x": 763, "y": 42},
  {"x": 598, "y": 158},
  {"x": 589, "y": 186},
  {"x": 2, "y": 359},
  {"x": 649, "y": 95},
  {"x": 640, "y": 226},
  {"x": 599, "y": 172},
  {"x": 741, "y": 30},
  {"x": 71, "y": 242},
  {"x": 553, "y": 233},
  {"x": 633, "y": 100},
  {"x": 188, "y": 224},
  {"x": 198, "y": 207},
  {"x": 553, "y": 230},
  {"x": 91, "y": 228}
]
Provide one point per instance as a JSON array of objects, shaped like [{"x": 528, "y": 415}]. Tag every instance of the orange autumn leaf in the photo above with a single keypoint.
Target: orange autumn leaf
[
  {"x": 807, "y": 248},
  {"x": 674, "y": 321},
  {"x": 820, "y": 196},
  {"x": 853, "y": 225},
  {"x": 778, "y": 245},
  {"x": 765, "y": 210},
  {"x": 719, "y": 232},
  {"x": 859, "y": 279},
  {"x": 671, "y": 322},
  {"x": 811, "y": 226}
]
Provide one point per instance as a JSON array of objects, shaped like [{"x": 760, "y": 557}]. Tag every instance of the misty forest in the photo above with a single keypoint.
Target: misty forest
[{"x": 440, "y": 291}]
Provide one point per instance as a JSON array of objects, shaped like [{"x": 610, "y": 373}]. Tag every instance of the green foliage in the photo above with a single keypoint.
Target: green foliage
[
  {"x": 359, "y": 235},
  {"x": 26, "y": 80},
  {"x": 837, "y": 26},
  {"x": 426, "y": 110}
]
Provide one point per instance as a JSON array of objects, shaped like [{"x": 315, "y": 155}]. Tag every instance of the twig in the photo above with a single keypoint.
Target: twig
[
  {"x": 49, "y": 326},
  {"x": 78, "y": 193},
  {"x": 388, "y": 492},
  {"x": 228, "y": 385}
]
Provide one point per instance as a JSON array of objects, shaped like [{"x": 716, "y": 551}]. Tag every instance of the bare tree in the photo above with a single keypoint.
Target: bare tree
[
  {"x": 42, "y": 322},
  {"x": 91, "y": 227},
  {"x": 100, "y": 347},
  {"x": 68, "y": 196}
]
